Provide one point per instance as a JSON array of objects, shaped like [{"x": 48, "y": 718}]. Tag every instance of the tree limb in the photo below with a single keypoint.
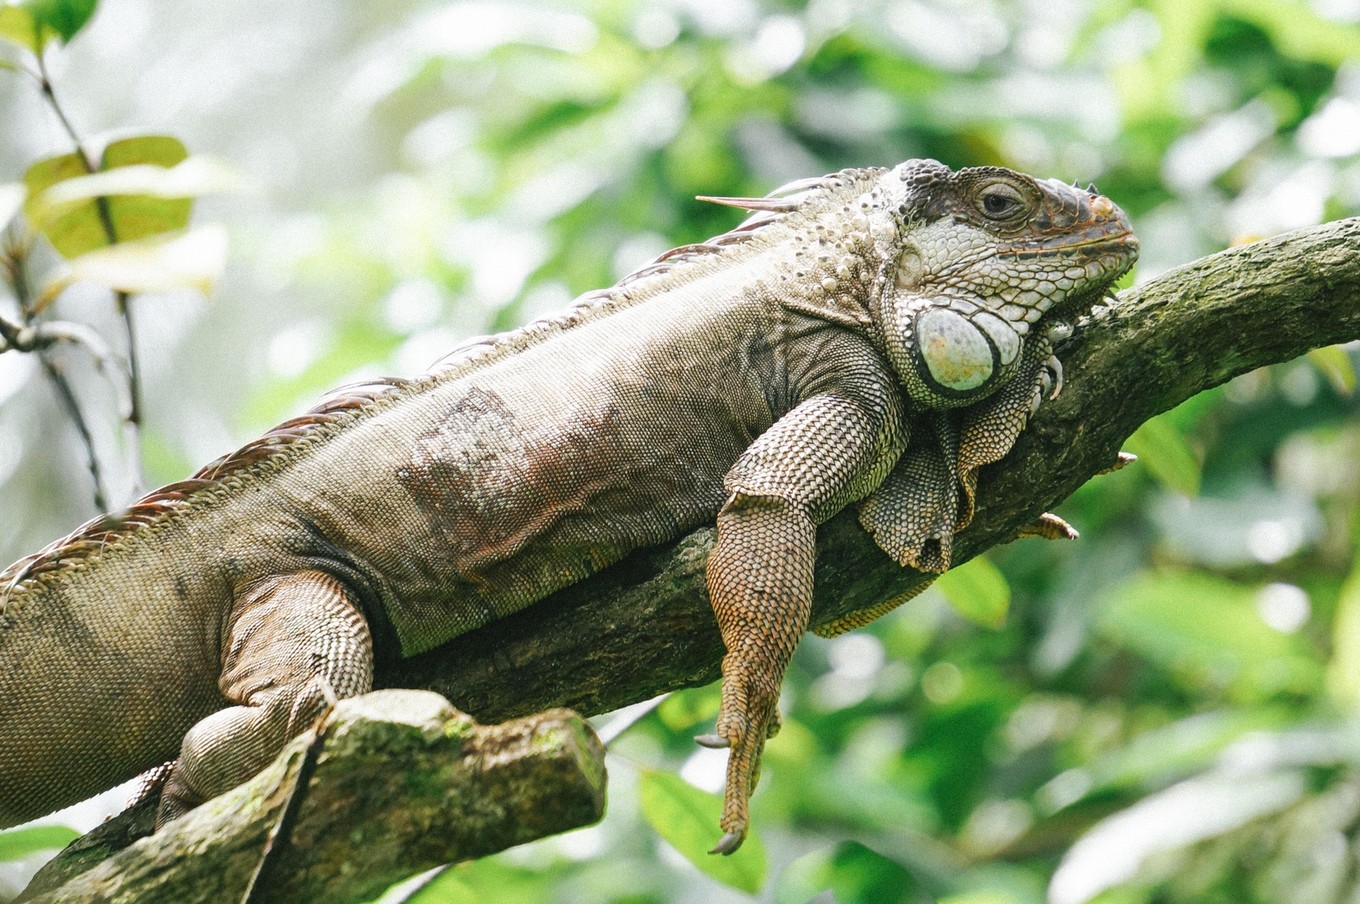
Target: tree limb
[
  {"x": 644, "y": 626},
  {"x": 398, "y": 783}
]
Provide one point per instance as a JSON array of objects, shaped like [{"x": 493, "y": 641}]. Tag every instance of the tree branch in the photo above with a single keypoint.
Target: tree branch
[
  {"x": 397, "y": 784},
  {"x": 644, "y": 626}
]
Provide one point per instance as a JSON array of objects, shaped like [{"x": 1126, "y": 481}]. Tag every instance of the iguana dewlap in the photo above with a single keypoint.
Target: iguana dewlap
[{"x": 874, "y": 337}]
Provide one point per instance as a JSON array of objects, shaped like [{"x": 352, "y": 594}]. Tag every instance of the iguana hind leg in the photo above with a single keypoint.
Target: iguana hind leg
[{"x": 295, "y": 642}]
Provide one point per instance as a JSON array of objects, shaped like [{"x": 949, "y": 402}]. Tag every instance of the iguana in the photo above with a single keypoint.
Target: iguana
[{"x": 873, "y": 336}]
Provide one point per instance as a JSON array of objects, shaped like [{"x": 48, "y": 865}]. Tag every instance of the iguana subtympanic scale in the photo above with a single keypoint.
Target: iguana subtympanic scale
[{"x": 873, "y": 335}]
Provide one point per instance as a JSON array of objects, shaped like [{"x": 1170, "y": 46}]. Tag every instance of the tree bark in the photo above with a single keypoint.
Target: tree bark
[
  {"x": 397, "y": 782},
  {"x": 644, "y": 626}
]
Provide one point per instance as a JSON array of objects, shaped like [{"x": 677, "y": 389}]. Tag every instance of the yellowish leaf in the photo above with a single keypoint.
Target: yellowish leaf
[
  {"x": 95, "y": 222},
  {"x": 192, "y": 260},
  {"x": 978, "y": 591},
  {"x": 1336, "y": 366},
  {"x": 32, "y": 23},
  {"x": 1162, "y": 449}
]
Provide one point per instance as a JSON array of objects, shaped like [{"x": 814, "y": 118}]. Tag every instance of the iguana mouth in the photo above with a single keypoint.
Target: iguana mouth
[{"x": 1097, "y": 236}]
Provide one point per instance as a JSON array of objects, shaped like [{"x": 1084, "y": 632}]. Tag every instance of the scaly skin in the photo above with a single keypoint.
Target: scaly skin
[{"x": 872, "y": 337}]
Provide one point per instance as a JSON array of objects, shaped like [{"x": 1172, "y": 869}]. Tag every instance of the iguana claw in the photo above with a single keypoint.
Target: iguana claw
[
  {"x": 728, "y": 844},
  {"x": 712, "y": 741},
  {"x": 1054, "y": 371},
  {"x": 1122, "y": 460}
]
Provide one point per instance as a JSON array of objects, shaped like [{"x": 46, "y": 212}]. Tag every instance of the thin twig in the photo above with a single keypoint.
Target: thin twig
[
  {"x": 53, "y": 332},
  {"x": 68, "y": 400},
  {"x": 40, "y": 338},
  {"x": 45, "y": 85},
  {"x": 133, "y": 411},
  {"x": 132, "y": 420}
]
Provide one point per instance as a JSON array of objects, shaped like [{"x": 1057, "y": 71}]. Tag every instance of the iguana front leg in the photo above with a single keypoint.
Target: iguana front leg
[
  {"x": 295, "y": 643},
  {"x": 826, "y": 452},
  {"x": 930, "y": 495},
  {"x": 914, "y": 514}
]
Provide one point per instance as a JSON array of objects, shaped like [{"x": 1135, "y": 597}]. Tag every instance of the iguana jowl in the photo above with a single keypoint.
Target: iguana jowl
[{"x": 872, "y": 336}]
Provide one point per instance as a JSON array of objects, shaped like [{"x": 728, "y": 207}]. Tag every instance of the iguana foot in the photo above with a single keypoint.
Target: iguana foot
[
  {"x": 748, "y": 717},
  {"x": 1049, "y": 526}
]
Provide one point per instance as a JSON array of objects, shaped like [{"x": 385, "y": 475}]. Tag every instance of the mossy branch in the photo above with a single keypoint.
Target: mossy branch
[{"x": 395, "y": 782}]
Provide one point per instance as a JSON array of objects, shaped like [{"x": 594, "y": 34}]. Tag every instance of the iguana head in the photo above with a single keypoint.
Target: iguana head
[{"x": 974, "y": 260}]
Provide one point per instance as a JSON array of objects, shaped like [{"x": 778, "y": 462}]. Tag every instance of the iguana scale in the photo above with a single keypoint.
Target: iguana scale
[{"x": 873, "y": 336}]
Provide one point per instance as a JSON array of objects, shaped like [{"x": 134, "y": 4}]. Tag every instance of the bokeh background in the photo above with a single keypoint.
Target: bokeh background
[{"x": 1168, "y": 712}]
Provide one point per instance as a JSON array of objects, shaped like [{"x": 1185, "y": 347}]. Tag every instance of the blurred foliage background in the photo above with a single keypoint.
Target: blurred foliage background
[{"x": 1167, "y": 714}]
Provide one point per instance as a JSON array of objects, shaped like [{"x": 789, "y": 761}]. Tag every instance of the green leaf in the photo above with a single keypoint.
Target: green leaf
[
  {"x": 688, "y": 819},
  {"x": 855, "y": 874},
  {"x": 32, "y": 23},
  {"x": 978, "y": 591},
  {"x": 1336, "y": 366},
  {"x": 22, "y": 842},
  {"x": 193, "y": 260},
  {"x": 1207, "y": 630},
  {"x": 79, "y": 226},
  {"x": 1162, "y": 449},
  {"x": 1343, "y": 671}
]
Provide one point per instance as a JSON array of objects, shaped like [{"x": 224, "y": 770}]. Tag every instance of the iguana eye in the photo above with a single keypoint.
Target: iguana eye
[{"x": 1000, "y": 201}]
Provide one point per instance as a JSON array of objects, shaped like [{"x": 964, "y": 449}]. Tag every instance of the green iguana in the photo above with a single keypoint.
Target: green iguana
[{"x": 873, "y": 336}]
